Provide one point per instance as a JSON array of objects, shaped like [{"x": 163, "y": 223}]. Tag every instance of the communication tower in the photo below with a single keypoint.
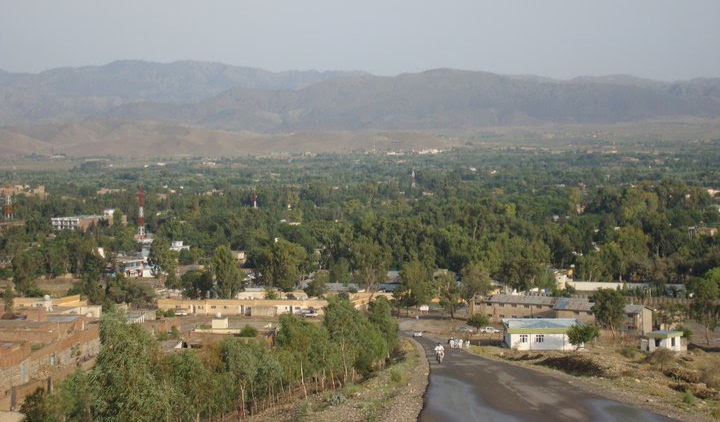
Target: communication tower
[
  {"x": 141, "y": 212},
  {"x": 8, "y": 203}
]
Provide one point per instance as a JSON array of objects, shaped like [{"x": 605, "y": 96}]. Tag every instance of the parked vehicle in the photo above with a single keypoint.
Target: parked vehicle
[
  {"x": 417, "y": 333},
  {"x": 489, "y": 330}
]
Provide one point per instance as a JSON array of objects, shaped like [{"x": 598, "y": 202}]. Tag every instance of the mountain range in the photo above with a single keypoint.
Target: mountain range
[{"x": 184, "y": 106}]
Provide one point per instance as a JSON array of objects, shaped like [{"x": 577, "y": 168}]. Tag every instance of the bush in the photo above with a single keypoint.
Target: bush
[
  {"x": 710, "y": 375},
  {"x": 336, "y": 399},
  {"x": 689, "y": 398},
  {"x": 248, "y": 331},
  {"x": 661, "y": 358},
  {"x": 628, "y": 351},
  {"x": 396, "y": 375},
  {"x": 687, "y": 332},
  {"x": 575, "y": 365}
]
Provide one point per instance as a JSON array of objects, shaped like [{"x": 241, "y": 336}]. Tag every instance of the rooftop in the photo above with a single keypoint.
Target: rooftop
[
  {"x": 573, "y": 304},
  {"x": 539, "y": 323},
  {"x": 522, "y": 299}
]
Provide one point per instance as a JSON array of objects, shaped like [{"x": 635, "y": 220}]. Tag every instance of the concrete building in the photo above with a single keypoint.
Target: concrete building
[
  {"x": 638, "y": 318},
  {"x": 83, "y": 222},
  {"x": 50, "y": 345},
  {"x": 663, "y": 339},
  {"x": 68, "y": 305},
  {"x": 178, "y": 245},
  {"x": 580, "y": 309},
  {"x": 502, "y": 306},
  {"x": 538, "y": 333},
  {"x": 245, "y": 307}
]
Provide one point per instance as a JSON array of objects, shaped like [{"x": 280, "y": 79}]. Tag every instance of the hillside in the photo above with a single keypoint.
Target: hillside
[
  {"x": 164, "y": 139},
  {"x": 73, "y": 93},
  {"x": 199, "y": 108},
  {"x": 440, "y": 99}
]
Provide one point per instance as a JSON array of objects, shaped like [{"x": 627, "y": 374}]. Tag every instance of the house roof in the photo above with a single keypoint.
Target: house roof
[
  {"x": 664, "y": 334},
  {"x": 634, "y": 309},
  {"x": 573, "y": 304},
  {"x": 538, "y": 325},
  {"x": 522, "y": 299}
]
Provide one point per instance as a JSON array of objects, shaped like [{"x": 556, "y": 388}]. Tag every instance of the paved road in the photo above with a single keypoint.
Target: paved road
[{"x": 471, "y": 388}]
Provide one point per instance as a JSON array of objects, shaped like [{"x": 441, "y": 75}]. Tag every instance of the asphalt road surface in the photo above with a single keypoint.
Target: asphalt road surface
[{"x": 468, "y": 388}]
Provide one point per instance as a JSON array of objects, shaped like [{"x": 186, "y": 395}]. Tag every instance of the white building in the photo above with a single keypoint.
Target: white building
[
  {"x": 538, "y": 333},
  {"x": 663, "y": 339},
  {"x": 178, "y": 245}
]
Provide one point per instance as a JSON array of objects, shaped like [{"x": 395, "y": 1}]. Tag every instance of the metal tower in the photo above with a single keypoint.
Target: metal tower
[
  {"x": 8, "y": 203},
  {"x": 141, "y": 212}
]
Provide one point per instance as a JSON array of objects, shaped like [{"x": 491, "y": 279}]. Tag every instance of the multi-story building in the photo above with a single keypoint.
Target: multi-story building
[{"x": 83, "y": 222}]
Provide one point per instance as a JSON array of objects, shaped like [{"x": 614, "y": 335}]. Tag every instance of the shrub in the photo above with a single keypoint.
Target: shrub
[
  {"x": 248, "y": 331},
  {"x": 687, "y": 332},
  {"x": 336, "y": 399},
  {"x": 661, "y": 358},
  {"x": 710, "y": 375},
  {"x": 396, "y": 375},
  {"x": 689, "y": 398},
  {"x": 575, "y": 365},
  {"x": 628, "y": 351}
]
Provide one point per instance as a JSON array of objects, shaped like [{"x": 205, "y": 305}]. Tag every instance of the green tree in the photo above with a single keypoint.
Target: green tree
[
  {"x": 475, "y": 281},
  {"x": 317, "y": 286},
  {"x": 380, "y": 314},
  {"x": 36, "y": 407},
  {"x": 705, "y": 309},
  {"x": 415, "y": 285},
  {"x": 280, "y": 264},
  {"x": 124, "y": 380},
  {"x": 449, "y": 292},
  {"x": 609, "y": 309},
  {"x": 165, "y": 260},
  {"x": 196, "y": 283},
  {"x": 478, "y": 321},
  {"x": 227, "y": 274},
  {"x": 9, "y": 298},
  {"x": 370, "y": 263},
  {"x": 25, "y": 267},
  {"x": 248, "y": 331},
  {"x": 340, "y": 271},
  {"x": 580, "y": 334}
]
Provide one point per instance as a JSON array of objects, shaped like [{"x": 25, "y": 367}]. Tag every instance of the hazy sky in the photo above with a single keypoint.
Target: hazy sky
[{"x": 660, "y": 39}]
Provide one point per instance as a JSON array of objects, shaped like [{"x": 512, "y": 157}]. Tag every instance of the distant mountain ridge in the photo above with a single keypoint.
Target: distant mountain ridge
[
  {"x": 76, "y": 93},
  {"x": 437, "y": 99},
  {"x": 233, "y": 109}
]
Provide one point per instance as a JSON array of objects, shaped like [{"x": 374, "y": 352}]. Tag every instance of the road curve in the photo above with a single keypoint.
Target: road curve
[{"x": 467, "y": 388}]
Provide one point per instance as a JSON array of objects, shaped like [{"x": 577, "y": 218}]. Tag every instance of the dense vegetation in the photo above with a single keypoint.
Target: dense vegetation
[
  {"x": 134, "y": 380},
  {"x": 510, "y": 213}
]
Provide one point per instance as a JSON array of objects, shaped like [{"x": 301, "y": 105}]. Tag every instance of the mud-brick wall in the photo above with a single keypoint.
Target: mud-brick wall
[{"x": 79, "y": 346}]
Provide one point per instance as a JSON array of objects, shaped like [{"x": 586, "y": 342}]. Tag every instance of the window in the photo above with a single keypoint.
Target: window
[
  {"x": 514, "y": 305},
  {"x": 539, "y": 338},
  {"x": 523, "y": 338},
  {"x": 527, "y": 306},
  {"x": 502, "y": 316}
]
